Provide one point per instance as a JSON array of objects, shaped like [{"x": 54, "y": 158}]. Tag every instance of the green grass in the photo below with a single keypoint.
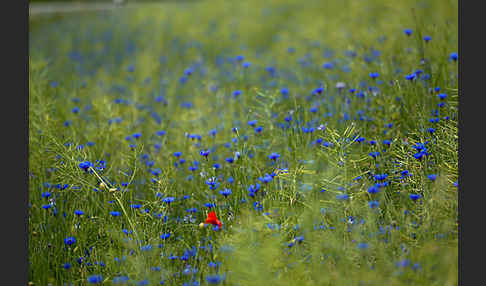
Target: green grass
[{"x": 82, "y": 60}]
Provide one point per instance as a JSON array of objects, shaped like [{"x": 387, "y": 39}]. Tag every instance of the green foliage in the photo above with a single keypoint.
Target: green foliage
[{"x": 295, "y": 230}]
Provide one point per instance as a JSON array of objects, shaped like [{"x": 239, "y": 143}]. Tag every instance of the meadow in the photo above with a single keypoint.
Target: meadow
[{"x": 245, "y": 143}]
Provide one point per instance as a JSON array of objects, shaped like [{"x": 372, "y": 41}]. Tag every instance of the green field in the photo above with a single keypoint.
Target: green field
[{"x": 323, "y": 134}]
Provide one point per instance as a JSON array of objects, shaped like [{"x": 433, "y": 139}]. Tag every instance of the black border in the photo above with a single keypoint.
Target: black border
[{"x": 15, "y": 90}]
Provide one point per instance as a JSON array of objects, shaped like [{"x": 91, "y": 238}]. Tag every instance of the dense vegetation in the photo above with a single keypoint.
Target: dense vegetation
[{"x": 322, "y": 135}]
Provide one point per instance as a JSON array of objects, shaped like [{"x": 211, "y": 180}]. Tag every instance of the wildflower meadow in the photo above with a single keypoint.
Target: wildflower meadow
[{"x": 245, "y": 143}]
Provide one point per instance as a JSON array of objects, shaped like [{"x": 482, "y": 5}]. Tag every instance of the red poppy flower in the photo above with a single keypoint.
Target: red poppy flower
[{"x": 212, "y": 219}]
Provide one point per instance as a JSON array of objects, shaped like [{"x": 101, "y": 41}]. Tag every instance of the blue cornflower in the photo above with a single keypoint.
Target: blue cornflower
[
  {"x": 212, "y": 183},
  {"x": 225, "y": 192},
  {"x": 414, "y": 197},
  {"x": 284, "y": 91},
  {"x": 342, "y": 197},
  {"x": 165, "y": 236},
  {"x": 173, "y": 257},
  {"x": 373, "y": 189},
  {"x": 327, "y": 144},
  {"x": 160, "y": 133},
  {"x": 70, "y": 240},
  {"x": 299, "y": 239},
  {"x": 374, "y": 75},
  {"x": 246, "y": 65},
  {"x": 432, "y": 177},
  {"x": 405, "y": 173},
  {"x": 453, "y": 56},
  {"x": 252, "y": 123},
  {"x": 188, "y": 71},
  {"x": 258, "y": 129},
  {"x": 213, "y": 132},
  {"x": 427, "y": 38},
  {"x": 442, "y": 96},
  {"x": 168, "y": 200},
  {"x": 46, "y": 194},
  {"x": 75, "y": 110},
  {"x": 257, "y": 206},
  {"x": 236, "y": 93},
  {"x": 328, "y": 65},
  {"x": 419, "y": 155},
  {"x": 115, "y": 213},
  {"x": 410, "y": 76},
  {"x": 230, "y": 160},
  {"x": 416, "y": 266},
  {"x": 271, "y": 70},
  {"x": 374, "y": 154},
  {"x": 66, "y": 265},
  {"x": 363, "y": 245},
  {"x": 146, "y": 247},
  {"x": 318, "y": 90},
  {"x": 85, "y": 165},
  {"x": 209, "y": 205},
  {"x": 403, "y": 263},
  {"x": 360, "y": 139},
  {"x": 380, "y": 177},
  {"x": 46, "y": 207},
  {"x": 431, "y": 130},
  {"x": 137, "y": 135},
  {"x": 254, "y": 188},
  {"x": 177, "y": 154},
  {"x": 420, "y": 146},
  {"x": 373, "y": 204},
  {"x": 78, "y": 212},
  {"x": 240, "y": 58},
  {"x": 408, "y": 32},
  {"x": 93, "y": 279},
  {"x": 213, "y": 279},
  {"x": 274, "y": 156},
  {"x": 265, "y": 179},
  {"x": 135, "y": 206},
  {"x": 120, "y": 279},
  {"x": 156, "y": 172},
  {"x": 205, "y": 153}
]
